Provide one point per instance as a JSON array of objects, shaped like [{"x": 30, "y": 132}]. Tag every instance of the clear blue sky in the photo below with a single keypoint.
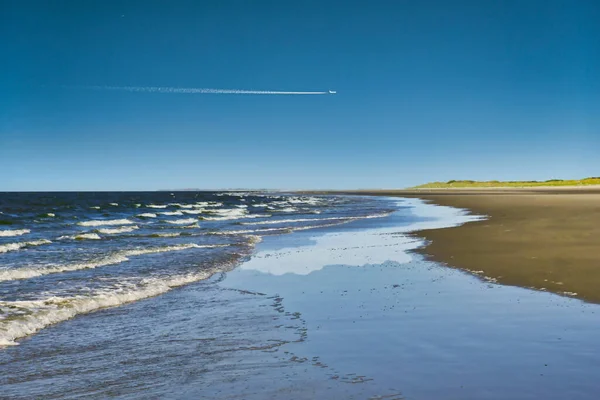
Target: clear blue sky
[{"x": 427, "y": 90}]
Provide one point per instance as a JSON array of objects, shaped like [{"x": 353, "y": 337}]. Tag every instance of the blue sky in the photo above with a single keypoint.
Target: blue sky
[{"x": 427, "y": 90}]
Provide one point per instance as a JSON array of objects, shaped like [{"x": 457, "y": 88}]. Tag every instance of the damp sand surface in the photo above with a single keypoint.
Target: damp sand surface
[{"x": 543, "y": 238}]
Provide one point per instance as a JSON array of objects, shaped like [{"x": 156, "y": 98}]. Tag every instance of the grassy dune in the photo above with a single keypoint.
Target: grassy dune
[{"x": 502, "y": 184}]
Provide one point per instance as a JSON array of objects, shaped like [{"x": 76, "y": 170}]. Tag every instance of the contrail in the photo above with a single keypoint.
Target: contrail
[{"x": 158, "y": 89}]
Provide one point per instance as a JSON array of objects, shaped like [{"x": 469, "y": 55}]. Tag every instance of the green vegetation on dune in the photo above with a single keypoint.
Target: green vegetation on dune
[{"x": 500, "y": 184}]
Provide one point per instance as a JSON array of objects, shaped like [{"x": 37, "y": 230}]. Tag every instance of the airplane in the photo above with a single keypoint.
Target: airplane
[{"x": 332, "y": 92}]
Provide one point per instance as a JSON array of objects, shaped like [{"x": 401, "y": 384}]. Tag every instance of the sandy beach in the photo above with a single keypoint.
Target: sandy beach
[{"x": 543, "y": 238}]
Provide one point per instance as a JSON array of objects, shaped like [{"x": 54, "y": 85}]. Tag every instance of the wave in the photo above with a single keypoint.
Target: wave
[
  {"x": 117, "y": 258},
  {"x": 208, "y": 204},
  {"x": 229, "y": 212},
  {"x": 313, "y": 201},
  {"x": 114, "y": 204},
  {"x": 105, "y": 222},
  {"x": 13, "y": 232},
  {"x": 182, "y": 205},
  {"x": 122, "y": 229},
  {"x": 193, "y": 212},
  {"x": 247, "y": 231},
  {"x": 288, "y": 229},
  {"x": 147, "y": 215},
  {"x": 82, "y": 236},
  {"x": 281, "y": 221},
  {"x": 95, "y": 207},
  {"x": 172, "y": 213},
  {"x": 284, "y": 221},
  {"x": 39, "y": 314},
  {"x": 183, "y": 221},
  {"x": 173, "y": 234},
  {"x": 232, "y": 213},
  {"x": 156, "y": 206},
  {"x": 5, "y": 248}
]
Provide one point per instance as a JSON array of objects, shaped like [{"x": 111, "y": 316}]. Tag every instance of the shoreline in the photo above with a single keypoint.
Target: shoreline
[
  {"x": 367, "y": 301},
  {"x": 344, "y": 312},
  {"x": 541, "y": 239}
]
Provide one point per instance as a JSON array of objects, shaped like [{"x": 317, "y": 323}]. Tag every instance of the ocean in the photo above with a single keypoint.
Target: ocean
[{"x": 67, "y": 254}]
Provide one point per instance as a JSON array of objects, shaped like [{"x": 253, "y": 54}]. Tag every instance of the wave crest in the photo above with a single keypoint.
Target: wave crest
[
  {"x": 13, "y": 232},
  {"x": 99, "y": 222}
]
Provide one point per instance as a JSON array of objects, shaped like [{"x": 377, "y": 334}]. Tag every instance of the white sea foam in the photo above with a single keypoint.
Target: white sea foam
[
  {"x": 173, "y": 234},
  {"x": 182, "y": 205},
  {"x": 105, "y": 222},
  {"x": 114, "y": 204},
  {"x": 13, "y": 232},
  {"x": 5, "y": 248},
  {"x": 312, "y": 201},
  {"x": 229, "y": 211},
  {"x": 82, "y": 236},
  {"x": 122, "y": 229},
  {"x": 44, "y": 312},
  {"x": 117, "y": 258},
  {"x": 183, "y": 221},
  {"x": 171, "y": 213},
  {"x": 50, "y": 215},
  {"x": 282, "y": 221},
  {"x": 208, "y": 204},
  {"x": 227, "y": 214},
  {"x": 147, "y": 215},
  {"x": 95, "y": 207},
  {"x": 285, "y": 221},
  {"x": 193, "y": 212},
  {"x": 253, "y": 231},
  {"x": 156, "y": 206},
  {"x": 287, "y": 209}
]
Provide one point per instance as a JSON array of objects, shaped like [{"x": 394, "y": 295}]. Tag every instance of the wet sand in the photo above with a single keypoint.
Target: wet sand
[
  {"x": 408, "y": 328},
  {"x": 540, "y": 238}
]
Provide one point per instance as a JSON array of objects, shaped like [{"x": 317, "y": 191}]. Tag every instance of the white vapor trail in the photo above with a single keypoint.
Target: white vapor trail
[{"x": 158, "y": 89}]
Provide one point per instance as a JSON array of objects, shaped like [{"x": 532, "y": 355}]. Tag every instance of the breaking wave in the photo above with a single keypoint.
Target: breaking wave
[
  {"x": 147, "y": 215},
  {"x": 185, "y": 221},
  {"x": 341, "y": 219},
  {"x": 156, "y": 206},
  {"x": 81, "y": 236},
  {"x": 105, "y": 222},
  {"x": 117, "y": 258},
  {"x": 5, "y": 248},
  {"x": 122, "y": 229},
  {"x": 171, "y": 213},
  {"x": 42, "y": 313},
  {"x": 13, "y": 232}
]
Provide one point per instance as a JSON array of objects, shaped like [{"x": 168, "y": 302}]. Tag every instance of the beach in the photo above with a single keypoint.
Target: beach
[
  {"x": 542, "y": 238},
  {"x": 350, "y": 311}
]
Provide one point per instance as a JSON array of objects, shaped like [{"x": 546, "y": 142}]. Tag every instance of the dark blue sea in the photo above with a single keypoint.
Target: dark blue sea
[{"x": 66, "y": 254}]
